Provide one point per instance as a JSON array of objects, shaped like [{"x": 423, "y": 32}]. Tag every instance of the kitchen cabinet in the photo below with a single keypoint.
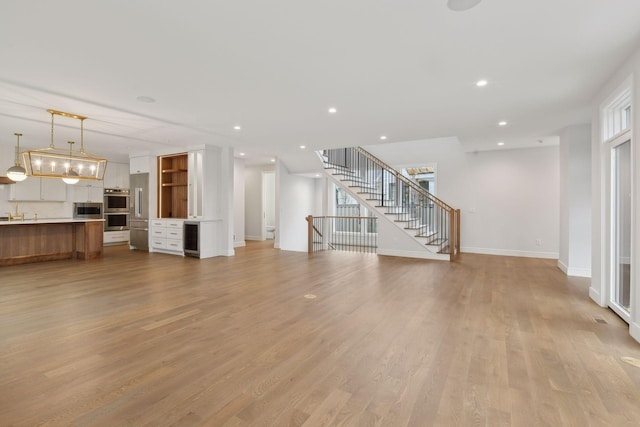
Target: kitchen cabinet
[
  {"x": 87, "y": 191},
  {"x": 167, "y": 236},
  {"x": 188, "y": 184},
  {"x": 173, "y": 182},
  {"x": 49, "y": 240},
  {"x": 39, "y": 190},
  {"x": 139, "y": 164},
  {"x": 196, "y": 184},
  {"x": 116, "y": 175},
  {"x": 116, "y": 237}
]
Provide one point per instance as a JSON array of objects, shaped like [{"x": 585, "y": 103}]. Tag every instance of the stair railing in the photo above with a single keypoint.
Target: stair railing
[
  {"x": 342, "y": 233},
  {"x": 423, "y": 212}
]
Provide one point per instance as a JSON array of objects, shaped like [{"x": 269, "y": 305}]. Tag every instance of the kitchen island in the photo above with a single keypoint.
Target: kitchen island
[{"x": 40, "y": 240}]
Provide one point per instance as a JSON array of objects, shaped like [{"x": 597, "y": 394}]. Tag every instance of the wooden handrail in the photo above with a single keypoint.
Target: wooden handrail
[
  {"x": 413, "y": 201},
  {"x": 403, "y": 178}
]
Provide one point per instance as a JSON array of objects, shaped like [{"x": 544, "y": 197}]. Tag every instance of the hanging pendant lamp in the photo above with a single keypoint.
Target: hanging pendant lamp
[
  {"x": 71, "y": 176},
  {"x": 52, "y": 162},
  {"x": 16, "y": 172}
]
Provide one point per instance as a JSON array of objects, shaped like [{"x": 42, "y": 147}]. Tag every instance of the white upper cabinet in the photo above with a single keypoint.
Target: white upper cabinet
[
  {"x": 116, "y": 175},
  {"x": 139, "y": 164},
  {"x": 196, "y": 181},
  {"x": 39, "y": 190},
  {"x": 203, "y": 182},
  {"x": 87, "y": 191}
]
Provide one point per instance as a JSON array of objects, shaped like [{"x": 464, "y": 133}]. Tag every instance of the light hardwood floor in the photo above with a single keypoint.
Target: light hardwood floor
[{"x": 150, "y": 339}]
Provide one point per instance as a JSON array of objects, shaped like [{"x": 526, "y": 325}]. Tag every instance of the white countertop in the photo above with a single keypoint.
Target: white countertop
[{"x": 48, "y": 221}]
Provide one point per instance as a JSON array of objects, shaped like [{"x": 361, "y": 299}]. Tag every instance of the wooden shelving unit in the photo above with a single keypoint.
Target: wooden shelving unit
[{"x": 173, "y": 175}]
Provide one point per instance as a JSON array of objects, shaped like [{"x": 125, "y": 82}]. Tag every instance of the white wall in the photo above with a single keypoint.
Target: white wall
[
  {"x": 253, "y": 200},
  {"x": 509, "y": 199},
  {"x": 269, "y": 198},
  {"x": 601, "y": 169},
  {"x": 575, "y": 200},
  {"x": 226, "y": 200},
  {"x": 238, "y": 202},
  {"x": 296, "y": 199}
]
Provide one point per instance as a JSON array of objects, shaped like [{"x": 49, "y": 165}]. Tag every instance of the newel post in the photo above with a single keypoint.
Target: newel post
[
  {"x": 452, "y": 234},
  {"x": 458, "y": 234},
  {"x": 309, "y": 233}
]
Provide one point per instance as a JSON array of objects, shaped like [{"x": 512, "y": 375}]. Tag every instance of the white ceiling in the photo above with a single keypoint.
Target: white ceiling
[{"x": 403, "y": 68}]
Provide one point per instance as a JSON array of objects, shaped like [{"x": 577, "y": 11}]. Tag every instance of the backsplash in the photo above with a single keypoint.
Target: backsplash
[{"x": 43, "y": 209}]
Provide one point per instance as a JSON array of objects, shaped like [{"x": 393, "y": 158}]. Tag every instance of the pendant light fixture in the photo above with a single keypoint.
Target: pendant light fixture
[
  {"x": 16, "y": 172},
  {"x": 52, "y": 162},
  {"x": 71, "y": 176}
]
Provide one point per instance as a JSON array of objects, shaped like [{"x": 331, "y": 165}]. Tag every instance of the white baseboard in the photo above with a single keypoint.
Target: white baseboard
[
  {"x": 413, "y": 254},
  {"x": 229, "y": 252},
  {"x": 595, "y": 296},
  {"x": 239, "y": 244},
  {"x": 573, "y": 271},
  {"x": 562, "y": 266},
  {"x": 509, "y": 252},
  {"x": 634, "y": 331},
  {"x": 579, "y": 272},
  {"x": 252, "y": 237}
]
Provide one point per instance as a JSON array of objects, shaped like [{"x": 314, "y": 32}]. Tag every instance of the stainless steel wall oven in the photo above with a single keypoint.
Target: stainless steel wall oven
[
  {"x": 116, "y": 221},
  {"x": 116, "y": 200}
]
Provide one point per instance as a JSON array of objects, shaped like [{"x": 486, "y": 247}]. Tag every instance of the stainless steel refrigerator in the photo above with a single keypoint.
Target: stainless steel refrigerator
[{"x": 139, "y": 217}]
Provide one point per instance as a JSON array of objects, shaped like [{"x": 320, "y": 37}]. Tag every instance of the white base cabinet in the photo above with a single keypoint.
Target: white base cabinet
[
  {"x": 167, "y": 236},
  {"x": 116, "y": 237}
]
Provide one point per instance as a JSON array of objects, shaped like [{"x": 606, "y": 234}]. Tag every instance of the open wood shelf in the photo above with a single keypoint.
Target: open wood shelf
[
  {"x": 173, "y": 170},
  {"x": 173, "y": 180}
]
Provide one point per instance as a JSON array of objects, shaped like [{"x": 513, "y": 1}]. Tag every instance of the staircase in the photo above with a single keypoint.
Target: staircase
[{"x": 429, "y": 221}]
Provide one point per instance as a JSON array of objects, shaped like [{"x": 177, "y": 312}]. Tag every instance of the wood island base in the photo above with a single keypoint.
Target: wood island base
[{"x": 22, "y": 243}]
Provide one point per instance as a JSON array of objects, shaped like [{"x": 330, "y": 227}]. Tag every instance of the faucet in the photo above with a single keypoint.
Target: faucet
[{"x": 16, "y": 215}]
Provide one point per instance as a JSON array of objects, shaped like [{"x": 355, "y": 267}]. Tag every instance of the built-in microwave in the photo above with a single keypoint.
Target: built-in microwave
[
  {"x": 116, "y": 200},
  {"x": 87, "y": 210}
]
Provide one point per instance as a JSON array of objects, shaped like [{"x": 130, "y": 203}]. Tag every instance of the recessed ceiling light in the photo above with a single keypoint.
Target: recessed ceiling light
[
  {"x": 302, "y": 147},
  {"x": 146, "y": 99},
  {"x": 462, "y": 5},
  {"x": 502, "y": 123},
  {"x": 481, "y": 83},
  {"x": 242, "y": 154},
  {"x": 273, "y": 160},
  {"x": 383, "y": 137},
  {"x": 332, "y": 110},
  {"x": 237, "y": 127},
  {"x": 501, "y": 143},
  {"x": 317, "y": 175}
]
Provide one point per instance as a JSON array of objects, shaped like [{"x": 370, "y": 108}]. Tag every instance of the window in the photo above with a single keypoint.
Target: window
[{"x": 616, "y": 115}]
